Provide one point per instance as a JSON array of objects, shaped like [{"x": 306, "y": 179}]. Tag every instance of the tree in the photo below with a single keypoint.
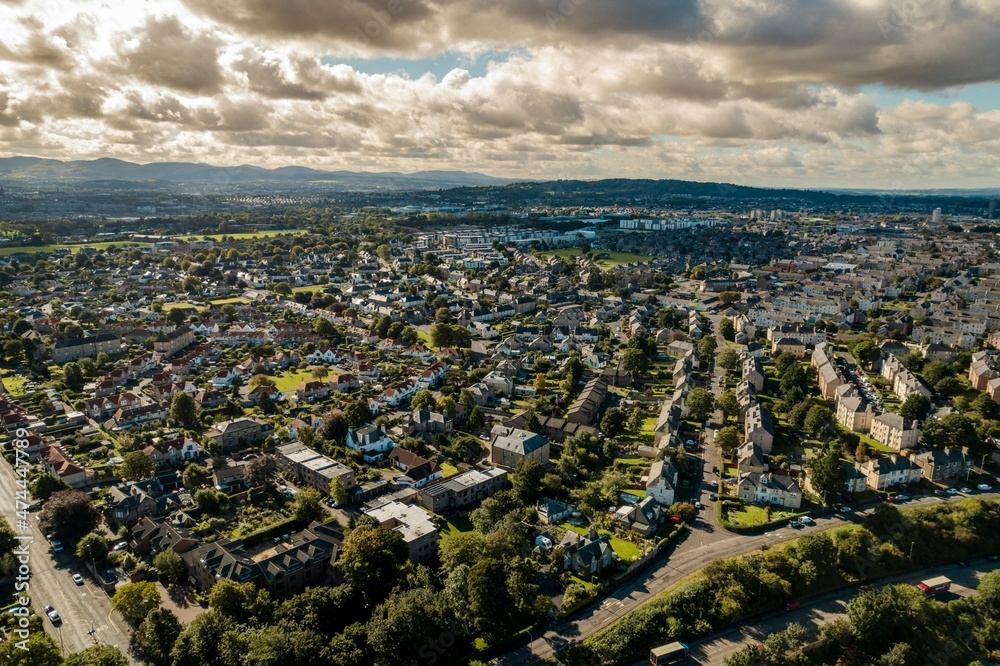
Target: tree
[
  {"x": 443, "y": 315},
  {"x": 358, "y": 413},
  {"x": 177, "y": 316},
  {"x": 45, "y": 485},
  {"x": 338, "y": 493},
  {"x": 41, "y": 650},
  {"x": 573, "y": 370},
  {"x": 989, "y": 590},
  {"x": 92, "y": 548},
  {"x": 476, "y": 418},
  {"x": 97, "y": 655},
  {"x": 196, "y": 476},
  {"x": 729, "y": 297},
  {"x": 635, "y": 362},
  {"x": 155, "y": 637},
  {"x": 531, "y": 423},
  {"x": 794, "y": 378},
  {"x": 209, "y": 500},
  {"x": 307, "y": 506},
  {"x": 170, "y": 566},
  {"x": 613, "y": 423},
  {"x": 727, "y": 329},
  {"x": 411, "y": 618},
  {"x": 728, "y": 358},
  {"x": 135, "y": 600},
  {"x": 728, "y": 439},
  {"x": 820, "y": 421},
  {"x": 260, "y": 470},
  {"x": 69, "y": 514},
  {"x": 335, "y": 427},
  {"x": 191, "y": 284},
  {"x": 917, "y": 407},
  {"x": 828, "y": 475},
  {"x": 540, "y": 382},
  {"x": 935, "y": 371},
  {"x": 320, "y": 373},
  {"x": 493, "y": 510},
  {"x": 73, "y": 375},
  {"x": 948, "y": 386},
  {"x": 700, "y": 404},
  {"x": 371, "y": 558},
  {"x": 784, "y": 360},
  {"x": 866, "y": 352},
  {"x": 527, "y": 480},
  {"x": 707, "y": 346},
  {"x": 423, "y": 399},
  {"x": 446, "y": 405},
  {"x": 954, "y": 430},
  {"x": 136, "y": 466},
  {"x": 982, "y": 405},
  {"x": 183, "y": 410},
  {"x": 244, "y": 602}
]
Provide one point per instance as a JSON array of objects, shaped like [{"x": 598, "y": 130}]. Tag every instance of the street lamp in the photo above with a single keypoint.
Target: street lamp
[{"x": 912, "y": 544}]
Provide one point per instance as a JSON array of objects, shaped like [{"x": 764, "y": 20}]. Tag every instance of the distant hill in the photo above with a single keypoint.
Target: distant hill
[{"x": 38, "y": 170}]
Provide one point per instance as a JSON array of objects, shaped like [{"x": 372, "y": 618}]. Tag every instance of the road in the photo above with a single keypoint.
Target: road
[
  {"x": 82, "y": 608},
  {"x": 713, "y": 650}
]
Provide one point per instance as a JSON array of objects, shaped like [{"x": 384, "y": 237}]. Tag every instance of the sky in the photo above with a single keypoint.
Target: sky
[{"x": 899, "y": 94}]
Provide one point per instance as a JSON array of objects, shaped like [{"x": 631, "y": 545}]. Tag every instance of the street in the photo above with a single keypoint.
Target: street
[{"x": 83, "y": 608}]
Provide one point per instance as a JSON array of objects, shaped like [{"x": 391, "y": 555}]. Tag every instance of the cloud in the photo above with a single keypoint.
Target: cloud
[{"x": 163, "y": 52}]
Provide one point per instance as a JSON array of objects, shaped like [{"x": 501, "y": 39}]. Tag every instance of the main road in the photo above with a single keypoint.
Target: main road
[{"x": 85, "y": 609}]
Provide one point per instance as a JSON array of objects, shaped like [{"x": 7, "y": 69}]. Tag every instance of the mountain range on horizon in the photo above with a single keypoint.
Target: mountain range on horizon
[{"x": 43, "y": 170}]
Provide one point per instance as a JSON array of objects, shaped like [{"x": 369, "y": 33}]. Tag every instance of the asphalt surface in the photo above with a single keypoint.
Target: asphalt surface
[{"x": 83, "y": 608}]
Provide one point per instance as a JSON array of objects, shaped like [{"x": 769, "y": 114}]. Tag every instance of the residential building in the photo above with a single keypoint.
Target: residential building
[
  {"x": 73, "y": 349},
  {"x": 413, "y": 524},
  {"x": 943, "y": 465},
  {"x": 894, "y": 431},
  {"x": 372, "y": 441},
  {"x": 661, "y": 482},
  {"x": 883, "y": 472},
  {"x": 463, "y": 490},
  {"x": 766, "y": 488},
  {"x": 238, "y": 433},
  {"x": 510, "y": 445},
  {"x": 315, "y": 469}
]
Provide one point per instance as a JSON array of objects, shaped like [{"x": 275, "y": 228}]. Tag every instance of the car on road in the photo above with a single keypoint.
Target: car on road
[
  {"x": 715, "y": 484},
  {"x": 806, "y": 520},
  {"x": 902, "y": 498},
  {"x": 796, "y": 525},
  {"x": 952, "y": 491},
  {"x": 53, "y": 614},
  {"x": 121, "y": 545},
  {"x": 111, "y": 576},
  {"x": 966, "y": 490},
  {"x": 792, "y": 605},
  {"x": 56, "y": 543},
  {"x": 845, "y": 509},
  {"x": 984, "y": 487},
  {"x": 78, "y": 579},
  {"x": 698, "y": 505},
  {"x": 713, "y": 496}
]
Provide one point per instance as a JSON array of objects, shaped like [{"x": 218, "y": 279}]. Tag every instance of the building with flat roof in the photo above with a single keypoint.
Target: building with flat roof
[
  {"x": 463, "y": 490},
  {"x": 316, "y": 469},
  {"x": 413, "y": 524}
]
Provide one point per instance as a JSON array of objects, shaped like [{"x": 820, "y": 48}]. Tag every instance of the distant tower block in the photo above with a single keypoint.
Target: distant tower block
[{"x": 936, "y": 216}]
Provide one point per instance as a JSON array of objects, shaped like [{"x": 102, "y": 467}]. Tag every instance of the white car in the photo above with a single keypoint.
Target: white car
[
  {"x": 806, "y": 520},
  {"x": 951, "y": 491},
  {"x": 966, "y": 490},
  {"x": 984, "y": 486},
  {"x": 53, "y": 614},
  {"x": 78, "y": 579}
]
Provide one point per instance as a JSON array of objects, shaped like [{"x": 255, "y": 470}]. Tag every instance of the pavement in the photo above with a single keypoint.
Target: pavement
[{"x": 83, "y": 608}]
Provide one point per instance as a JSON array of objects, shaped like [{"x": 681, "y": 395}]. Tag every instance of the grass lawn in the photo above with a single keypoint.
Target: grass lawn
[
  {"x": 626, "y": 550},
  {"x": 289, "y": 381},
  {"x": 226, "y": 301},
  {"x": 456, "y": 525},
  {"x": 167, "y": 307},
  {"x": 425, "y": 339},
  {"x": 641, "y": 494},
  {"x": 755, "y": 515},
  {"x": 448, "y": 470},
  {"x": 4, "y": 251},
  {"x": 312, "y": 289},
  {"x": 247, "y": 234},
  {"x": 607, "y": 258},
  {"x": 14, "y": 384}
]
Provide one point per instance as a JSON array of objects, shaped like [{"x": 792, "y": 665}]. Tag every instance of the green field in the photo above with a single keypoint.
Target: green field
[
  {"x": 608, "y": 259},
  {"x": 448, "y": 470},
  {"x": 14, "y": 384},
  {"x": 4, "y": 251},
  {"x": 425, "y": 339},
  {"x": 457, "y": 525},
  {"x": 228, "y": 301},
  {"x": 290, "y": 381},
  {"x": 246, "y": 235},
  {"x": 167, "y": 307},
  {"x": 312, "y": 289}
]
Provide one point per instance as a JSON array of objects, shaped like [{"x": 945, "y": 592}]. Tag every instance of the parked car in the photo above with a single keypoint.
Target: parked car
[
  {"x": 984, "y": 487},
  {"x": 966, "y": 490},
  {"x": 792, "y": 605},
  {"x": 713, "y": 496},
  {"x": 121, "y": 545},
  {"x": 78, "y": 579},
  {"x": 902, "y": 498},
  {"x": 951, "y": 491},
  {"x": 698, "y": 505},
  {"x": 806, "y": 520},
  {"x": 56, "y": 543},
  {"x": 845, "y": 509},
  {"x": 715, "y": 484}
]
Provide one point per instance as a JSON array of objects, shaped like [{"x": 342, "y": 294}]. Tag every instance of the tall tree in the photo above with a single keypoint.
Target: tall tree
[
  {"x": 370, "y": 560},
  {"x": 97, "y": 655},
  {"x": 183, "y": 410},
  {"x": 135, "y": 600},
  {"x": 136, "y": 466},
  {"x": 260, "y": 470},
  {"x": 917, "y": 407},
  {"x": 700, "y": 404},
  {"x": 170, "y": 566},
  {"x": 155, "y": 637},
  {"x": 866, "y": 352},
  {"x": 829, "y": 476},
  {"x": 69, "y": 514}
]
